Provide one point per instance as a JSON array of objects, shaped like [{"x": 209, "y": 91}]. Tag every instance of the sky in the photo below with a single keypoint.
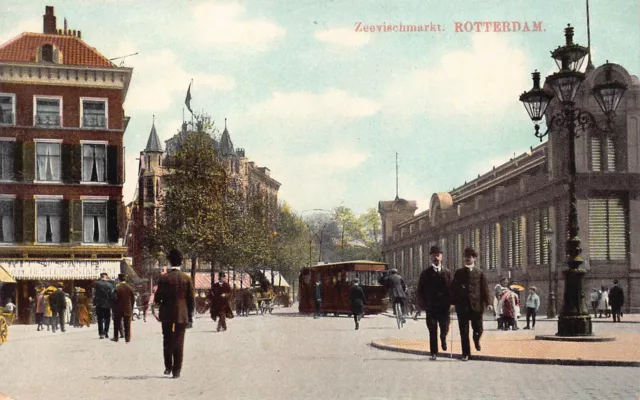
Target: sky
[{"x": 325, "y": 105}]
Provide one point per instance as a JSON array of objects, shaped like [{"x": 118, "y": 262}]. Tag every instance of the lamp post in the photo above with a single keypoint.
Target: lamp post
[
  {"x": 551, "y": 307},
  {"x": 574, "y": 319}
]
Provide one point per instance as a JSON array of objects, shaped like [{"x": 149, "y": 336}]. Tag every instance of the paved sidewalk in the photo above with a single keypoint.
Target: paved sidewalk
[{"x": 522, "y": 347}]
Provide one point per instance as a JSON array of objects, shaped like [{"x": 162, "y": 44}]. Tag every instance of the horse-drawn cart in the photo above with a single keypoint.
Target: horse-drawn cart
[{"x": 6, "y": 319}]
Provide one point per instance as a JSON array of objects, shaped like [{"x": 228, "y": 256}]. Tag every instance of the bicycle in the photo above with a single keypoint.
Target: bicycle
[{"x": 398, "y": 311}]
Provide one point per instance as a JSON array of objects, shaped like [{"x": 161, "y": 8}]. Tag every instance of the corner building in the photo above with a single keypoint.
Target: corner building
[
  {"x": 505, "y": 213},
  {"x": 61, "y": 161}
]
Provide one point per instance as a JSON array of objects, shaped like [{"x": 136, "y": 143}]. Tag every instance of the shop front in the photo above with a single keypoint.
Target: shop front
[{"x": 28, "y": 274}]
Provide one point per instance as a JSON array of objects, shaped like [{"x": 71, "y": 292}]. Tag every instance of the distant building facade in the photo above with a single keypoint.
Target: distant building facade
[
  {"x": 254, "y": 182},
  {"x": 505, "y": 213},
  {"x": 62, "y": 126}
]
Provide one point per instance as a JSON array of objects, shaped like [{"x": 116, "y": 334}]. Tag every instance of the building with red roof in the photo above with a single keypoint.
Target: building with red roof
[{"x": 62, "y": 126}]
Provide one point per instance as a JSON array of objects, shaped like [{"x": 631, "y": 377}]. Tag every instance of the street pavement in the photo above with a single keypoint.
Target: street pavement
[{"x": 289, "y": 356}]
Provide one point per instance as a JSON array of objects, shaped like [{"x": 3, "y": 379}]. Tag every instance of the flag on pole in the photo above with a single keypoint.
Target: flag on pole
[{"x": 187, "y": 100}]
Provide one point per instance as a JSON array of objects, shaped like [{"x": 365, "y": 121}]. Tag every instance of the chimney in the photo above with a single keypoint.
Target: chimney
[
  {"x": 49, "y": 21},
  {"x": 79, "y": 35}
]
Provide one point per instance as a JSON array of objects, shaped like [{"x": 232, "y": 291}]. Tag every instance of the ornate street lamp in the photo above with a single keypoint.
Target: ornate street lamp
[
  {"x": 551, "y": 307},
  {"x": 574, "y": 319}
]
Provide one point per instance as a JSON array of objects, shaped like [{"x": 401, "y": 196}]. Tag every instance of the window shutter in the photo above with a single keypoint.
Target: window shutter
[
  {"x": 112, "y": 165},
  {"x": 598, "y": 229},
  {"x": 611, "y": 154},
  {"x": 75, "y": 221},
  {"x": 18, "y": 220},
  {"x": 537, "y": 235},
  {"x": 17, "y": 161},
  {"x": 28, "y": 161},
  {"x": 112, "y": 221},
  {"x": 76, "y": 163},
  {"x": 596, "y": 157},
  {"x": 64, "y": 222},
  {"x": 67, "y": 162},
  {"x": 29, "y": 221},
  {"x": 617, "y": 235}
]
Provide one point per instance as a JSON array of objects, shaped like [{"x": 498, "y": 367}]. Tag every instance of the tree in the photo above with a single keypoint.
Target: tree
[{"x": 291, "y": 242}]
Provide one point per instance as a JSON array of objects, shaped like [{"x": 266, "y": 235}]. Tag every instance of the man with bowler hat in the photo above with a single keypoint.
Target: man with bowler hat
[
  {"x": 102, "y": 298},
  {"x": 433, "y": 292},
  {"x": 175, "y": 297},
  {"x": 123, "y": 308},
  {"x": 470, "y": 295}
]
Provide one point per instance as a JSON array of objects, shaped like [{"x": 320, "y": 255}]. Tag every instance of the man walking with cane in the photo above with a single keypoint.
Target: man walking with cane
[{"x": 433, "y": 292}]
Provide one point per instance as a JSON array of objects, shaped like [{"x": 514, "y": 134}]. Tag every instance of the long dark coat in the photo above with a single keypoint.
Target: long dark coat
[
  {"x": 220, "y": 300},
  {"x": 103, "y": 293},
  {"x": 175, "y": 296},
  {"x": 616, "y": 297},
  {"x": 356, "y": 295},
  {"x": 396, "y": 286},
  {"x": 124, "y": 300},
  {"x": 469, "y": 290},
  {"x": 434, "y": 290},
  {"x": 58, "y": 301}
]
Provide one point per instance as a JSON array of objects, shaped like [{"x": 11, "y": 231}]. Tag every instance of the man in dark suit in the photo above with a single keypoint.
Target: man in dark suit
[
  {"x": 220, "y": 306},
  {"x": 433, "y": 292},
  {"x": 102, "y": 299},
  {"x": 616, "y": 301},
  {"x": 397, "y": 291},
  {"x": 356, "y": 295},
  {"x": 317, "y": 296},
  {"x": 175, "y": 297},
  {"x": 58, "y": 303},
  {"x": 470, "y": 295},
  {"x": 123, "y": 308}
]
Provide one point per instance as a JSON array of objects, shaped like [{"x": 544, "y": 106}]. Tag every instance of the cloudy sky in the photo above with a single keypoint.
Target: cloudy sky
[{"x": 326, "y": 107}]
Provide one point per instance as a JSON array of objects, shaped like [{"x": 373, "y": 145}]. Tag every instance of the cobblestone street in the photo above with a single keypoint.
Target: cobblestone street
[{"x": 288, "y": 356}]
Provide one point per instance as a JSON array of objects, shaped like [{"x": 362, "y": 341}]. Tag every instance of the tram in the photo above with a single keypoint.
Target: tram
[{"x": 335, "y": 282}]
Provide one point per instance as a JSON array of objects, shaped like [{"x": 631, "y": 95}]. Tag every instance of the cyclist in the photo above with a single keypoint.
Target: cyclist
[{"x": 397, "y": 290}]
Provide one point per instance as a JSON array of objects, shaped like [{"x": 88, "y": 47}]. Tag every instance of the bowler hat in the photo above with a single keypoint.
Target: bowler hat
[
  {"x": 469, "y": 252},
  {"x": 122, "y": 277},
  {"x": 435, "y": 250}
]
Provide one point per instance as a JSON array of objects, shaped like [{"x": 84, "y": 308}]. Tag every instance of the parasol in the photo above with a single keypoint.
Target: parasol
[{"x": 516, "y": 287}]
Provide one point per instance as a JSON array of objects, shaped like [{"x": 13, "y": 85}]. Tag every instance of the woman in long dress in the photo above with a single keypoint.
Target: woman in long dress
[
  {"x": 603, "y": 302},
  {"x": 84, "y": 316}
]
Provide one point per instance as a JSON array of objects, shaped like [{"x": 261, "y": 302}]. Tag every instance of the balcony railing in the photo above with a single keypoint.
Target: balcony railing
[
  {"x": 6, "y": 117},
  {"x": 47, "y": 120},
  {"x": 94, "y": 121}
]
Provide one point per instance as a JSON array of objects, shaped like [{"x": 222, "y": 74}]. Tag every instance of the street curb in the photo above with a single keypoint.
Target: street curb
[{"x": 542, "y": 361}]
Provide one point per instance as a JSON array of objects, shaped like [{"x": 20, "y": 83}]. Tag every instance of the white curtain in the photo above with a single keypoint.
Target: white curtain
[
  {"x": 7, "y": 228},
  {"x": 102, "y": 226},
  {"x": 54, "y": 160},
  {"x": 54, "y": 221},
  {"x": 100, "y": 162},
  {"x": 87, "y": 229},
  {"x": 41, "y": 228},
  {"x": 87, "y": 162},
  {"x": 48, "y": 161},
  {"x": 42, "y": 162}
]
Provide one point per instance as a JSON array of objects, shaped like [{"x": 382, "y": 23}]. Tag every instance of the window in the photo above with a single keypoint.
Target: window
[
  {"x": 48, "y": 161},
  {"x": 94, "y": 162},
  {"x": 7, "y": 108},
  {"x": 540, "y": 245},
  {"x": 608, "y": 223},
  {"x": 49, "y": 213},
  {"x": 611, "y": 154},
  {"x": 6, "y": 221},
  {"x": 48, "y": 112},
  {"x": 94, "y": 113},
  {"x": 603, "y": 154},
  {"x": 94, "y": 221},
  {"x": 514, "y": 242},
  {"x": 7, "y": 150},
  {"x": 149, "y": 190},
  {"x": 47, "y": 53},
  {"x": 491, "y": 254}
]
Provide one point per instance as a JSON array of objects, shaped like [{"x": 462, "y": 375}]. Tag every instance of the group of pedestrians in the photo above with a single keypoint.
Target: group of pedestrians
[
  {"x": 52, "y": 308},
  {"x": 608, "y": 302},
  {"x": 117, "y": 297}
]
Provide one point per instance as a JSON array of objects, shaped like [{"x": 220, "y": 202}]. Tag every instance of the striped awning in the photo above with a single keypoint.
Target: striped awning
[
  {"x": 61, "y": 269},
  {"x": 5, "y": 276}
]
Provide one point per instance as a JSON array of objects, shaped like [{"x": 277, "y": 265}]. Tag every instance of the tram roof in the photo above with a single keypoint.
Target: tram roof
[{"x": 352, "y": 262}]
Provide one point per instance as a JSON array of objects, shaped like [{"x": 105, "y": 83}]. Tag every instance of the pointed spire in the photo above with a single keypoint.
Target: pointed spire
[
  {"x": 153, "y": 144},
  {"x": 226, "y": 145},
  {"x": 590, "y": 66}
]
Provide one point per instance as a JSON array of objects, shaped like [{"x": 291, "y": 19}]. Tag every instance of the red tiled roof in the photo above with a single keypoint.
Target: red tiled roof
[{"x": 24, "y": 48}]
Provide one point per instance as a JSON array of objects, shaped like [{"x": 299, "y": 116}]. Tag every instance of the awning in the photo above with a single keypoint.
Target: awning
[
  {"x": 203, "y": 280},
  {"x": 5, "y": 276},
  {"x": 61, "y": 269}
]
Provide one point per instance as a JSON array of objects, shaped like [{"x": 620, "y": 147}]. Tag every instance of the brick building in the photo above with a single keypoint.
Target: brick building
[
  {"x": 61, "y": 160},
  {"x": 254, "y": 181},
  {"x": 505, "y": 213}
]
